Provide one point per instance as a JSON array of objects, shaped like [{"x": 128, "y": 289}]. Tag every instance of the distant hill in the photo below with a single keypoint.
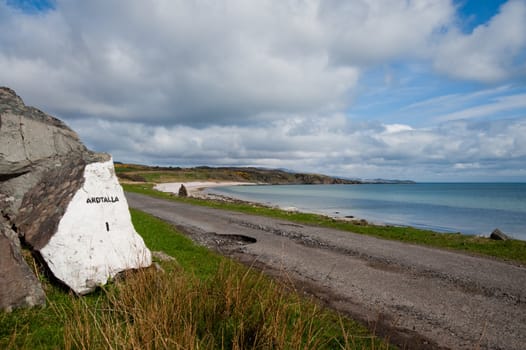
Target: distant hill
[{"x": 143, "y": 173}]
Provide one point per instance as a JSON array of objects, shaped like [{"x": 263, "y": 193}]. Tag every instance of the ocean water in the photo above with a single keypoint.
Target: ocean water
[{"x": 468, "y": 208}]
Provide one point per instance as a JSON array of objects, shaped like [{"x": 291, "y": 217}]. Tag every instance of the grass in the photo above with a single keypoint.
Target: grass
[
  {"x": 201, "y": 301},
  {"x": 142, "y": 173},
  {"x": 152, "y": 174},
  {"x": 510, "y": 250}
]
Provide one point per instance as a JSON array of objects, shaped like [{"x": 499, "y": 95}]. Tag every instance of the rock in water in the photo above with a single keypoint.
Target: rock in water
[
  {"x": 95, "y": 239},
  {"x": 44, "y": 170}
]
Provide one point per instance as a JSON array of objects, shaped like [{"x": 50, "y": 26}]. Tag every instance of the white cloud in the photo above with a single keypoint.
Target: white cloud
[
  {"x": 351, "y": 149},
  {"x": 491, "y": 51},
  {"x": 173, "y": 61},
  {"x": 368, "y": 32},
  {"x": 232, "y": 61},
  {"x": 396, "y": 128},
  {"x": 269, "y": 83},
  {"x": 221, "y": 62},
  {"x": 497, "y": 105},
  {"x": 458, "y": 99}
]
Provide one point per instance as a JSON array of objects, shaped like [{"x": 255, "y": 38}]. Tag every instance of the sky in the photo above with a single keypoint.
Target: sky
[{"x": 427, "y": 90}]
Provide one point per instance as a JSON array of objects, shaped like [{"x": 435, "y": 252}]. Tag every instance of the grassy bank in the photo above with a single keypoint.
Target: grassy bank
[
  {"x": 135, "y": 172},
  {"x": 202, "y": 300},
  {"x": 511, "y": 250}
]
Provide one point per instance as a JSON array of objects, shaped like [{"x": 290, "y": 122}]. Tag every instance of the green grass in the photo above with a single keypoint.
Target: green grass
[
  {"x": 40, "y": 327},
  {"x": 32, "y": 329},
  {"x": 254, "y": 293},
  {"x": 201, "y": 301},
  {"x": 510, "y": 250},
  {"x": 142, "y": 173},
  {"x": 159, "y": 235}
]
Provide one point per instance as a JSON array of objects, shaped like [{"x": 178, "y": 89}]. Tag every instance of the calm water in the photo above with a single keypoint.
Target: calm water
[{"x": 470, "y": 208}]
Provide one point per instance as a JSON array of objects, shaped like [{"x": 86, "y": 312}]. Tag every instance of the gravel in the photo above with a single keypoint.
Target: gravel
[{"x": 417, "y": 296}]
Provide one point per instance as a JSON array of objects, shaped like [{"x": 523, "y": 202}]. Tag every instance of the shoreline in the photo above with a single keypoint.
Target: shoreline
[
  {"x": 198, "y": 189},
  {"x": 467, "y": 220}
]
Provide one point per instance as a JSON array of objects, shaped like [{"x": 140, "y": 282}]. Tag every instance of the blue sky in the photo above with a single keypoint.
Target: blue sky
[
  {"x": 414, "y": 89},
  {"x": 31, "y": 6},
  {"x": 476, "y": 12}
]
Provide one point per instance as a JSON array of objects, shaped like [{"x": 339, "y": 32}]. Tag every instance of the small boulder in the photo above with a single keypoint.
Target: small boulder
[
  {"x": 182, "y": 191},
  {"x": 498, "y": 235}
]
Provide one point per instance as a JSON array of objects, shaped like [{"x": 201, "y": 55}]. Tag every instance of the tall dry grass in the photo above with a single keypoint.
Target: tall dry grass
[
  {"x": 203, "y": 301},
  {"x": 235, "y": 309}
]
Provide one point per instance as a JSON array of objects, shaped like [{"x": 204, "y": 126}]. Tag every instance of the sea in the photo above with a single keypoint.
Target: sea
[{"x": 467, "y": 208}]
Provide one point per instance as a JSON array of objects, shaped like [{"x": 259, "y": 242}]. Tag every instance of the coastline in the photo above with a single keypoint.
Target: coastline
[
  {"x": 443, "y": 208},
  {"x": 198, "y": 189}
]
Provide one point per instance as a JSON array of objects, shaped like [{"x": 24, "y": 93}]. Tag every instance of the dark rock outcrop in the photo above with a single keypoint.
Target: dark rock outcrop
[
  {"x": 35, "y": 149},
  {"x": 498, "y": 235},
  {"x": 19, "y": 286},
  {"x": 34, "y": 146}
]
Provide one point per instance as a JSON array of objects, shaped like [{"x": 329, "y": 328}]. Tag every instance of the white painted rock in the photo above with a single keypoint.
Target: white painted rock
[{"x": 95, "y": 238}]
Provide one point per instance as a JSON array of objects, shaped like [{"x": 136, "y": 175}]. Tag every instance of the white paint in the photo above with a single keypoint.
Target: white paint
[{"x": 83, "y": 253}]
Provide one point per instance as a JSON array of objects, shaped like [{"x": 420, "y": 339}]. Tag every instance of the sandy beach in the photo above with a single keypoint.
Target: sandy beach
[{"x": 196, "y": 188}]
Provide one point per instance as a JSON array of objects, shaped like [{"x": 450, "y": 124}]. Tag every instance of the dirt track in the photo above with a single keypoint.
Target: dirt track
[{"x": 426, "y": 298}]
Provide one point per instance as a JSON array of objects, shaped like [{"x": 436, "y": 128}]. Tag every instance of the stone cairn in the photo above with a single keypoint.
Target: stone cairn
[{"x": 63, "y": 203}]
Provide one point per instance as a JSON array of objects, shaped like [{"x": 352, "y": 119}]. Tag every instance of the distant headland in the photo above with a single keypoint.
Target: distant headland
[{"x": 145, "y": 173}]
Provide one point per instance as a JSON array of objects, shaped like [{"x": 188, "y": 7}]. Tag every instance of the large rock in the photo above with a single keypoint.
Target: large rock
[
  {"x": 95, "y": 238},
  {"x": 43, "y": 168}
]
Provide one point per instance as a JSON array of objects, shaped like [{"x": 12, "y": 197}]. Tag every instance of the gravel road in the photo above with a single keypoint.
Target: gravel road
[{"x": 421, "y": 297}]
